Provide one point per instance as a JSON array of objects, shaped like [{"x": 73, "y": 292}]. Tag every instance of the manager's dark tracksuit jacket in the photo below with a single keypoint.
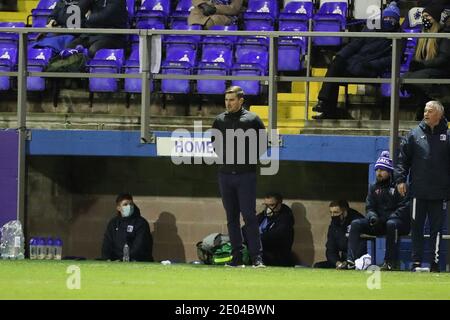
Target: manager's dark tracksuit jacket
[
  {"x": 425, "y": 156},
  {"x": 133, "y": 230},
  {"x": 237, "y": 182}
]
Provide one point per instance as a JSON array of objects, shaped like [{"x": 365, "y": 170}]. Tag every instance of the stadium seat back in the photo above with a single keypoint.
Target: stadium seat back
[{"x": 105, "y": 61}]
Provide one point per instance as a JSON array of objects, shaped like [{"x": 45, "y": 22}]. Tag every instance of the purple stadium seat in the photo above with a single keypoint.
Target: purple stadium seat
[
  {"x": 330, "y": 17},
  {"x": 8, "y": 60},
  {"x": 294, "y": 17},
  {"x": 181, "y": 25},
  {"x": 216, "y": 59},
  {"x": 8, "y": 39},
  {"x": 181, "y": 12},
  {"x": 261, "y": 15},
  {"x": 153, "y": 12},
  {"x": 41, "y": 12},
  {"x": 105, "y": 61},
  {"x": 180, "y": 59},
  {"x": 250, "y": 62},
  {"x": 132, "y": 66},
  {"x": 230, "y": 40},
  {"x": 37, "y": 61}
]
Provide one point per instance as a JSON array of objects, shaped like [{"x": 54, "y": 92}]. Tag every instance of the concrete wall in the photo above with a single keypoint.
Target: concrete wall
[{"x": 73, "y": 197}]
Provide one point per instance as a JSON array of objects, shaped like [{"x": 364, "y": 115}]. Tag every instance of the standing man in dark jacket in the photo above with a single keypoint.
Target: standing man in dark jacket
[
  {"x": 127, "y": 227},
  {"x": 336, "y": 247},
  {"x": 237, "y": 175},
  {"x": 387, "y": 213},
  {"x": 362, "y": 57},
  {"x": 425, "y": 156},
  {"x": 276, "y": 227}
]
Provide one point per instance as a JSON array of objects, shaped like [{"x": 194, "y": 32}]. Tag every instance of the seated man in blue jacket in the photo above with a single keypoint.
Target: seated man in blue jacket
[
  {"x": 276, "y": 227},
  {"x": 362, "y": 57},
  {"x": 127, "y": 227},
  {"x": 387, "y": 214},
  {"x": 336, "y": 247}
]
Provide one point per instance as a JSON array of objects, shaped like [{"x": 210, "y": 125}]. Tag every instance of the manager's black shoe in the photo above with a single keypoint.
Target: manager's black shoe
[
  {"x": 415, "y": 265},
  {"x": 435, "y": 267},
  {"x": 236, "y": 262}
]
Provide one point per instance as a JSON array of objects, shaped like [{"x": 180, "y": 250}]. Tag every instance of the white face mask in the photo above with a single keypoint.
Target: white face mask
[{"x": 127, "y": 210}]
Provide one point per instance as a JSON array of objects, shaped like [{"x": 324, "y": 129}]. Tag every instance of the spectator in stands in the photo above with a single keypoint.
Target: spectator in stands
[
  {"x": 237, "y": 178},
  {"x": 336, "y": 247},
  {"x": 276, "y": 227},
  {"x": 60, "y": 16},
  {"x": 431, "y": 59},
  {"x": 425, "y": 157},
  {"x": 362, "y": 57},
  {"x": 387, "y": 213},
  {"x": 215, "y": 12},
  {"x": 127, "y": 227},
  {"x": 105, "y": 14}
]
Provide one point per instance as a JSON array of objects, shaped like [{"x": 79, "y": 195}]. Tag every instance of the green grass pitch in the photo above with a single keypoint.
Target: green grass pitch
[{"x": 115, "y": 280}]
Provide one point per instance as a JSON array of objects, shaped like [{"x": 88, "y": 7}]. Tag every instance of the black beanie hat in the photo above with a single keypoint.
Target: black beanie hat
[{"x": 434, "y": 10}]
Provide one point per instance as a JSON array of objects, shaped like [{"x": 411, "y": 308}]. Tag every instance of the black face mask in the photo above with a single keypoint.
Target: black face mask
[
  {"x": 426, "y": 23},
  {"x": 388, "y": 25},
  {"x": 336, "y": 219}
]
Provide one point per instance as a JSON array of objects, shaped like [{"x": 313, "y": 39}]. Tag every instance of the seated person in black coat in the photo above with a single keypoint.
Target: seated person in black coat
[
  {"x": 362, "y": 57},
  {"x": 276, "y": 226},
  {"x": 127, "y": 227},
  {"x": 336, "y": 247}
]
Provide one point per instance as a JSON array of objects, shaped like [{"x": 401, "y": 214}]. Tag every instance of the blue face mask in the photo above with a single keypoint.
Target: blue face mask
[{"x": 127, "y": 210}]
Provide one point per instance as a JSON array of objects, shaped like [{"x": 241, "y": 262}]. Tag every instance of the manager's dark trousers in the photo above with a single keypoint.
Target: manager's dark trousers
[
  {"x": 330, "y": 90},
  {"x": 436, "y": 211},
  {"x": 238, "y": 193},
  {"x": 393, "y": 228}
]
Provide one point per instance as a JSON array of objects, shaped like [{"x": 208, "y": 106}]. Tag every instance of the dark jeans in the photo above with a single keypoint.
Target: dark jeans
[
  {"x": 238, "y": 193},
  {"x": 330, "y": 90},
  {"x": 393, "y": 228},
  {"x": 96, "y": 43},
  {"x": 436, "y": 210}
]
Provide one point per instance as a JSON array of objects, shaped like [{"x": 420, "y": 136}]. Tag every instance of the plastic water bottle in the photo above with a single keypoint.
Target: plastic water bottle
[
  {"x": 41, "y": 248},
  {"x": 49, "y": 249},
  {"x": 33, "y": 249},
  {"x": 18, "y": 248},
  {"x": 418, "y": 269},
  {"x": 57, "y": 249},
  {"x": 126, "y": 253}
]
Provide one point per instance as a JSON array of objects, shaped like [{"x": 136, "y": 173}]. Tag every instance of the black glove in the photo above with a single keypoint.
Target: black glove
[
  {"x": 207, "y": 9},
  {"x": 373, "y": 220},
  {"x": 416, "y": 65}
]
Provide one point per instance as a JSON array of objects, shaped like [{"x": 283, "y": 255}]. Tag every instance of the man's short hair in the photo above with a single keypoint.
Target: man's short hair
[
  {"x": 277, "y": 196},
  {"x": 343, "y": 204},
  {"x": 123, "y": 196},
  {"x": 237, "y": 90},
  {"x": 437, "y": 105}
]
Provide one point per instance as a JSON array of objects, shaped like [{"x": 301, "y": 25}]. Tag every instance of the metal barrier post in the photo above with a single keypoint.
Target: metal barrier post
[
  {"x": 395, "y": 99},
  {"x": 308, "y": 69},
  {"x": 21, "y": 124},
  {"x": 273, "y": 85},
  {"x": 146, "y": 46}
]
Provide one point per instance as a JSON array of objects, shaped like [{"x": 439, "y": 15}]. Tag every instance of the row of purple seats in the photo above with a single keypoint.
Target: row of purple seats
[{"x": 37, "y": 60}]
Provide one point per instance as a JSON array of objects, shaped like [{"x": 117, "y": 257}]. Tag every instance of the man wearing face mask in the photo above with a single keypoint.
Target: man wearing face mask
[
  {"x": 362, "y": 57},
  {"x": 127, "y": 227},
  {"x": 387, "y": 213},
  {"x": 276, "y": 227},
  {"x": 336, "y": 247}
]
